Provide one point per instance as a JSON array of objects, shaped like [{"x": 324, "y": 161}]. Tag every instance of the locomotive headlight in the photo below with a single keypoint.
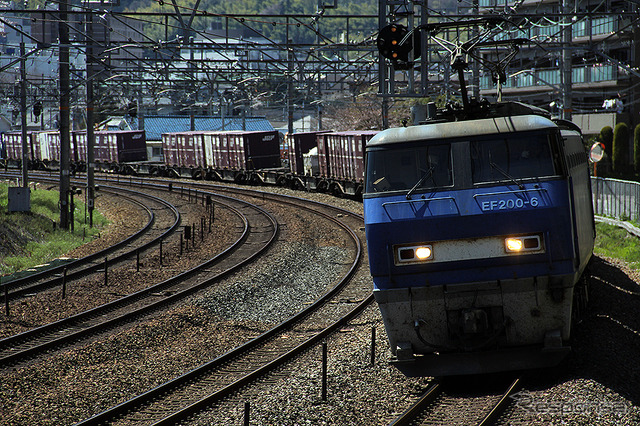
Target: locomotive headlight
[
  {"x": 525, "y": 243},
  {"x": 413, "y": 254},
  {"x": 423, "y": 253},
  {"x": 514, "y": 244}
]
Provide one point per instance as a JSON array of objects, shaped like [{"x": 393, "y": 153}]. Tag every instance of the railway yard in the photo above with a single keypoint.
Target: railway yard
[{"x": 264, "y": 255}]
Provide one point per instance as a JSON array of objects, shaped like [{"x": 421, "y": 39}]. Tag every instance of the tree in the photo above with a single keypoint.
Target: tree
[
  {"x": 620, "y": 147},
  {"x": 636, "y": 149},
  {"x": 606, "y": 137}
]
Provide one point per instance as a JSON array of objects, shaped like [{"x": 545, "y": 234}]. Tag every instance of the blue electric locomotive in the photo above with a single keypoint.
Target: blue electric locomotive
[{"x": 478, "y": 234}]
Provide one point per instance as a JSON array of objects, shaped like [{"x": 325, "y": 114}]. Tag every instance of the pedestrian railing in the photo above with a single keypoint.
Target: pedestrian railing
[{"x": 616, "y": 198}]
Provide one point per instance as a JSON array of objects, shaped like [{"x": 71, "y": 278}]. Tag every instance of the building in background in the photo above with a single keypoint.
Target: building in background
[{"x": 581, "y": 66}]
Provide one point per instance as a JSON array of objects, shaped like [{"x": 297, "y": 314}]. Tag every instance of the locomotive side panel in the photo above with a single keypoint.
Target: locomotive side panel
[{"x": 582, "y": 206}]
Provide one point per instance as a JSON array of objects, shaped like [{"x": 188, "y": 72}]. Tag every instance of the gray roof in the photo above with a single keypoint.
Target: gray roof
[{"x": 155, "y": 125}]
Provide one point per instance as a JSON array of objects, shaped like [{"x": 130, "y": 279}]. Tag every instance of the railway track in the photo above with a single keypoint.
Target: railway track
[
  {"x": 163, "y": 221},
  {"x": 258, "y": 232},
  {"x": 440, "y": 406},
  {"x": 226, "y": 375}
]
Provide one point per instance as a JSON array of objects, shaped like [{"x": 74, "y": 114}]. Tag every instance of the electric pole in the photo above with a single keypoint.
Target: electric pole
[
  {"x": 65, "y": 137},
  {"x": 91, "y": 194}
]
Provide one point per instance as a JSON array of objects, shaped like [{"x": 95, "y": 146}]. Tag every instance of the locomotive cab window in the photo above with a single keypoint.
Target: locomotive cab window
[
  {"x": 405, "y": 169},
  {"x": 514, "y": 157}
]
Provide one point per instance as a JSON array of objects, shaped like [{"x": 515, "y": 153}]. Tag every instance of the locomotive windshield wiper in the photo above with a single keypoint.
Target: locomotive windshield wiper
[
  {"x": 505, "y": 174},
  {"x": 424, "y": 177}
]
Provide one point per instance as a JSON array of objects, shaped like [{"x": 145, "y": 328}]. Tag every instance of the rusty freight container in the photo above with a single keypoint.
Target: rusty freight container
[
  {"x": 13, "y": 146},
  {"x": 101, "y": 148},
  {"x": 170, "y": 149},
  {"x": 236, "y": 151},
  {"x": 52, "y": 140},
  {"x": 45, "y": 149},
  {"x": 190, "y": 149},
  {"x": 323, "y": 164},
  {"x": 297, "y": 145},
  {"x": 341, "y": 154},
  {"x": 216, "y": 149},
  {"x": 79, "y": 146}
]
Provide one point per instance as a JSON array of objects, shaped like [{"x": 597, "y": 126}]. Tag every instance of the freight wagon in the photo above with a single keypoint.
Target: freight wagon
[
  {"x": 220, "y": 155},
  {"x": 113, "y": 150}
]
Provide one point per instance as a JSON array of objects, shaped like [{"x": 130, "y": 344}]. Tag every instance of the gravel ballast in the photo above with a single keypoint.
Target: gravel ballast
[{"x": 602, "y": 372}]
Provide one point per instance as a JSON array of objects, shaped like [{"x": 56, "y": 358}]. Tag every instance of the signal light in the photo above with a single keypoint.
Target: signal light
[{"x": 391, "y": 46}]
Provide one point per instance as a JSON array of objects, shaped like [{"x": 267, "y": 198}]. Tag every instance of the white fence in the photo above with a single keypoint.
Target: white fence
[{"x": 616, "y": 198}]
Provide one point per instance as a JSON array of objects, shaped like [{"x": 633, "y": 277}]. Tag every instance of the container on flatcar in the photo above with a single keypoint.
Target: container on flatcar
[
  {"x": 132, "y": 146},
  {"x": 297, "y": 145},
  {"x": 190, "y": 149},
  {"x": 170, "y": 149},
  {"x": 341, "y": 154},
  {"x": 261, "y": 150},
  {"x": 13, "y": 146},
  {"x": 310, "y": 162},
  {"x": 216, "y": 149},
  {"x": 79, "y": 144}
]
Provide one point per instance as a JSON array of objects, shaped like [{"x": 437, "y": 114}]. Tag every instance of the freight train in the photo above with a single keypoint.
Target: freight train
[
  {"x": 234, "y": 156},
  {"x": 113, "y": 150},
  {"x": 479, "y": 230}
]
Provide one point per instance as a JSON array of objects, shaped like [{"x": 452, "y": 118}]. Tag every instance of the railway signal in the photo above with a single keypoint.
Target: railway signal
[{"x": 395, "y": 43}]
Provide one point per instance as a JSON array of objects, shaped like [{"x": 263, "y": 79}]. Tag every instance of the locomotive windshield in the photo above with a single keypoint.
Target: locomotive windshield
[
  {"x": 409, "y": 169},
  {"x": 462, "y": 162},
  {"x": 511, "y": 158}
]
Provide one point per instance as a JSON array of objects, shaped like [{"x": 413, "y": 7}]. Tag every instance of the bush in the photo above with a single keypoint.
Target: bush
[
  {"x": 620, "y": 148},
  {"x": 636, "y": 149},
  {"x": 606, "y": 137}
]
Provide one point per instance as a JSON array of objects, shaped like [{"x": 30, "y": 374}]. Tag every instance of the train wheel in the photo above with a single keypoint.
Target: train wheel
[
  {"x": 358, "y": 194},
  {"x": 322, "y": 186},
  {"x": 336, "y": 190},
  {"x": 580, "y": 299},
  {"x": 240, "y": 178}
]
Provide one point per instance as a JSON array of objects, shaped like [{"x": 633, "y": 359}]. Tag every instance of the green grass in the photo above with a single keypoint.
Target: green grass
[
  {"x": 615, "y": 242},
  {"x": 28, "y": 239}
]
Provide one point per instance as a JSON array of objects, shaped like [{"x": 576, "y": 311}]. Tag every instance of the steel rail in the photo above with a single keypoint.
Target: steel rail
[
  {"x": 411, "y": 414},
  {"x": 504, "y": 402},
  {"x": 77, "y": 320},
  {"x": 418, "y": 407},
  {"x": 266, "y": 369},
  {"x": 193, "y": 375}
]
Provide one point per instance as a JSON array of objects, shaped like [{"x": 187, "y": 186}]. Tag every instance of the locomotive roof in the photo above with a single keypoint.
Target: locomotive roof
[{"x": 459, "y": 129}]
